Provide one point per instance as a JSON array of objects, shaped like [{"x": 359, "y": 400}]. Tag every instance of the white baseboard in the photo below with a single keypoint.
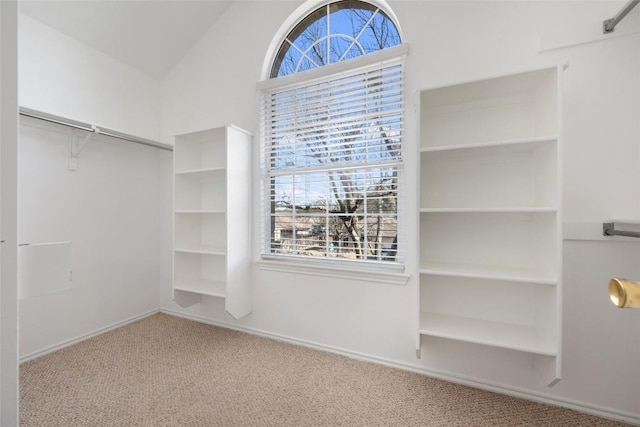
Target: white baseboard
[
  {"x": 446, "y": 376},
  {"x": 86, "y": 336}
]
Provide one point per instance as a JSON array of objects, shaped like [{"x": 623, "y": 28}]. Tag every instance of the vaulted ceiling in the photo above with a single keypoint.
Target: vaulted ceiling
[{"x": 149, "y": 35}]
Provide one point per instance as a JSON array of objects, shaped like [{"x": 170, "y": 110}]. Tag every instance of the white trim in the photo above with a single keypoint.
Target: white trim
[
  {"x": 86, "y": 336},
  {"x": 583, "y": 407},
  {"x": 373, "y": 273}
]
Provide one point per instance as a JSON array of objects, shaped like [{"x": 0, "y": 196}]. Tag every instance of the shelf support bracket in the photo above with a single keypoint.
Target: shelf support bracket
[{"x": 77, "y": 143}]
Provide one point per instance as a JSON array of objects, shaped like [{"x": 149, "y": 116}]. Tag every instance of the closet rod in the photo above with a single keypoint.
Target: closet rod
[
  {"x": 28, "y": 112},
  {"x": 609, "y": 25},
  {"x": 609, "y": 229}
]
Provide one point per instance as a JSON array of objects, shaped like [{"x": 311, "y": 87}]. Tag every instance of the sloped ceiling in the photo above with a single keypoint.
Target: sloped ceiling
[{"x": 149, "y": 35}]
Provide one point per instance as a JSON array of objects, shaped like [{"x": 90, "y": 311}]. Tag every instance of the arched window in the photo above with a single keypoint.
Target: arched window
[
  {"x": 333, "y": 33},
  {"x": 332, "y": 114}
]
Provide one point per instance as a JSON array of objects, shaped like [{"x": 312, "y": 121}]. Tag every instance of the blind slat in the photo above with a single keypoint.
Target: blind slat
[
  {"x": 324, "y": 168},
  {"x": 322, "y": 125}
]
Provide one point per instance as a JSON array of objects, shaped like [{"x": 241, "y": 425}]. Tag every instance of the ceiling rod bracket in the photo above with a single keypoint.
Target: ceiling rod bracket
[{"x": 77, "y": 142}]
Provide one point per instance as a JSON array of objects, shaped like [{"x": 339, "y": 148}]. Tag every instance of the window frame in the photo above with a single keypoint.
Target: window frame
[{"x": 371, "y": 271}]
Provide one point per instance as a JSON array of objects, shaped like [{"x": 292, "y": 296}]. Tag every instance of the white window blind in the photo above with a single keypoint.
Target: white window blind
[{"x": 331, "y": 158}]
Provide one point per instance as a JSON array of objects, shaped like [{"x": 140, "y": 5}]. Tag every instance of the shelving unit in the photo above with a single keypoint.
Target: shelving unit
[
  {"x": 212, "y": 218},
  {"x": 490, "y": 214}
]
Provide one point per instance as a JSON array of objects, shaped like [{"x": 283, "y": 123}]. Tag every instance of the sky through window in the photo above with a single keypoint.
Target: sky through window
[{"x": 334, "y": 33}]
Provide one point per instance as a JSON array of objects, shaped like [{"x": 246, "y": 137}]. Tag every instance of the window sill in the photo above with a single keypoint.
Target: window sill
[{"x": 379, "y": 275}]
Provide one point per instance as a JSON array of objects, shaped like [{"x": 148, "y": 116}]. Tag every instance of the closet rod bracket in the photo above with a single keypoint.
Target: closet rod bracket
[
  {"x": 77, "y": 143},
  {"x": 609, "y": 25}
]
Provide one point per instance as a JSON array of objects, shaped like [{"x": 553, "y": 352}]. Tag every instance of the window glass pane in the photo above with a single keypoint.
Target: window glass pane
[
  {"x": 357, "y": 207},
  {"x": 312, "y": 192},
  {"x": 382, "y": 238},
  {"x": 339, "y": 45},
  {"x": 309, "y": 30},
  {"x": 283, "y": 194},
  {"x": 379, "y": 34},
  {"x": 282, "y": 242},
  {"x": 290, "y": 62}
]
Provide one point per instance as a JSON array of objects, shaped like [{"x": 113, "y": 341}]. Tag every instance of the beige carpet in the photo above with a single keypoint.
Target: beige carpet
[{"x": 168, "y": 371}]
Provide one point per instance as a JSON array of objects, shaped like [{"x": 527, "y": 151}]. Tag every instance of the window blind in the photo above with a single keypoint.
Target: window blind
[{"x": 331, "y": 159}]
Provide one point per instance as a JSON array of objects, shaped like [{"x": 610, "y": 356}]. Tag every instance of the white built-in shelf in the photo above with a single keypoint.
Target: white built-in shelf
[
  {"x": 516, "y": 275},
  {"x": 205, "y": 250},
  {"x": 202, "y": 172},
  {"x": 514, "y": 174},
  {"x": 202, "y": 231},
  {"x": 200, "y": 211},
  {"x": 489, "y": 214},
  {"x": 212, "y": 222},
  {"x": 521, "y": 106},
  {"x": 201, "y": 150},
  {"x": 486, "y": 332},
  {"x": 491, "y": 311},
  {"x": 203, "y": 287},
  {"x": 504, "y": 241},
  {"x": 513, "y": 145},
  {"x": 201, "y": 190},
  {"x": 193, "y": 266},
  {"x": 548, "y": 209}
]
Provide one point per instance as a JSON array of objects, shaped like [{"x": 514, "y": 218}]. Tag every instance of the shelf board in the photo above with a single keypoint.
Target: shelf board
[
  {"x": 202, "y": 287},
  {"x": 203, "y": 171},
  {"x": 546, "y": 209},
  {"x": 490, "y": 273},
  {"x": 204, "y": 250},
  {"x": 521, "y": 143},
  {"x": 199, "y": 211},
  {"x": 485, "y": 332}
]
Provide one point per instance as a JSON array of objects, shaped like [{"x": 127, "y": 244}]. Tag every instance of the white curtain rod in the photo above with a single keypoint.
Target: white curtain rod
[{"x": 92, "y": 128}]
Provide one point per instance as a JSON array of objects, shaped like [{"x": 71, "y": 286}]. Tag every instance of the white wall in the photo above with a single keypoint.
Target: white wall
[
  {"x": 62, "y": 76},
  {"x": 109, "y": 208},
  {"x": 452, "y": 42}
]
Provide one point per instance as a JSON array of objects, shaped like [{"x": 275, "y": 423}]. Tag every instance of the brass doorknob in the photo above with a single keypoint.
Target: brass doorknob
[{"x": 624, "y": 293}]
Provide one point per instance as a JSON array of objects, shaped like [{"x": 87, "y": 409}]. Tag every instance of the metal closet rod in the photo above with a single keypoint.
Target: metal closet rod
[
  {"x": 28, "y": 112},
  {"x": 609, "y": 229},
  {"x": 609, "y": 25}
]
